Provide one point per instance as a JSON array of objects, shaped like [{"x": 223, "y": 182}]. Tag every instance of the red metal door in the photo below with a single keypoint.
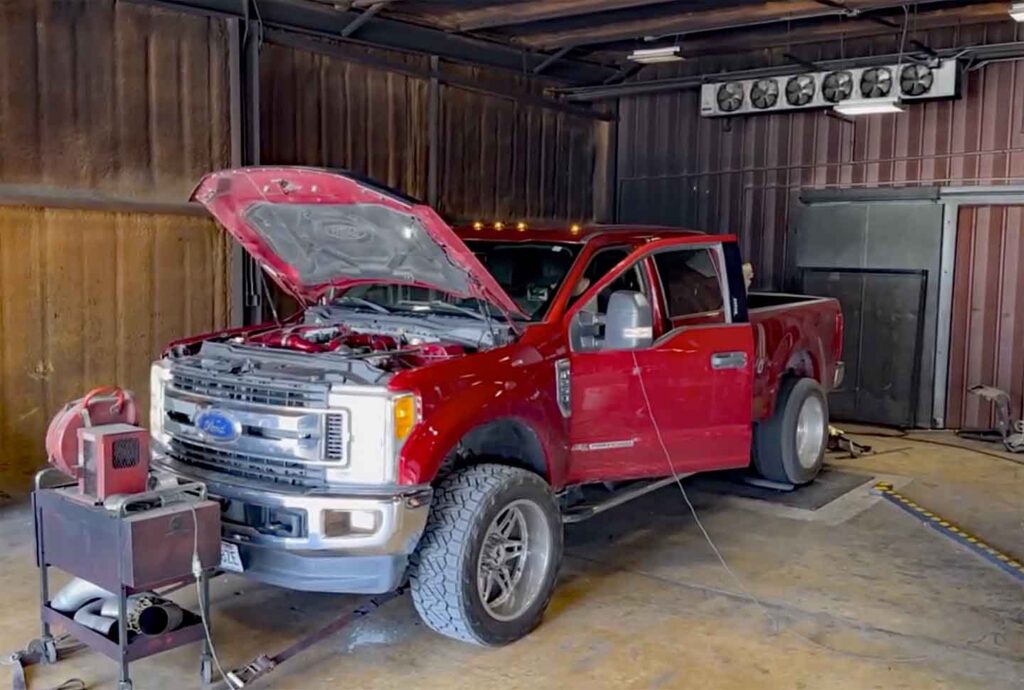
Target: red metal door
[
  {"x": 987, "y": 336},
  {"x": 693, "y": 386}
]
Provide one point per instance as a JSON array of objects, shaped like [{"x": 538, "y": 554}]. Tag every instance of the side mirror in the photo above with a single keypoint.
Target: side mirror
[{"x": 629, "y": 323}]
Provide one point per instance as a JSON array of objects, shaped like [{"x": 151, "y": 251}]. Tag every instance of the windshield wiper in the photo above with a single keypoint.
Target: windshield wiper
[
  {"x": 352, "y": 299},
  {"x": 455, "y": 308}
]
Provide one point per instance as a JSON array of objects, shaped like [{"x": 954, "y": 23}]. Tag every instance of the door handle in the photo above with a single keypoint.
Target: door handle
[{"x": 729, "y": 360}]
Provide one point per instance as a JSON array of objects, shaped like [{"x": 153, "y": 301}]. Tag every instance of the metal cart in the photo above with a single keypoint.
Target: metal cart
[{"x": 146, "y": 544}]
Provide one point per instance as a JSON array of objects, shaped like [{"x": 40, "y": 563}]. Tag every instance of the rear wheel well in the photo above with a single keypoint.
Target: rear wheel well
[
  {"x": 801, "y": 365},
  {"x": 502, "y": 441}
]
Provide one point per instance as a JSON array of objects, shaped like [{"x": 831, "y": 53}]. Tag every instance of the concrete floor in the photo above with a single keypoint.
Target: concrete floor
[{"x": 855, "y": 596}]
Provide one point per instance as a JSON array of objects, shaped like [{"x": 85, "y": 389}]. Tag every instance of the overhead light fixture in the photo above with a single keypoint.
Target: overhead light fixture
[
  {"x": 650, "y": 56},
  {"x": 869, "y": 106},
  {"x": 1017, "y": 11}
]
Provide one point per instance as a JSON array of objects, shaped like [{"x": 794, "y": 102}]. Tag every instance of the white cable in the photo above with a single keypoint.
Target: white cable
[
  {"x": 776, "y": 626},
  {"x": 197, "y": 571}
]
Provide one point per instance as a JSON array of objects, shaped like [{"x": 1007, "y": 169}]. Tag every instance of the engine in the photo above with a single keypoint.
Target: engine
[{"x": 385, "y": 351}]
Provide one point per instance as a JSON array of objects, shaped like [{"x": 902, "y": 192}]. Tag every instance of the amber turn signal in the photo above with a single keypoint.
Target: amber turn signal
[{"x": 405, "y": 415}]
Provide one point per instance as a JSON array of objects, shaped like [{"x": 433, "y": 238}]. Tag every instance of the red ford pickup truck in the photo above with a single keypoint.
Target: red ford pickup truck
[{"x": 445, "y": 400}]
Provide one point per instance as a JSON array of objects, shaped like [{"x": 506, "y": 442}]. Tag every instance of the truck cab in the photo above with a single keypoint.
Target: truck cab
[{"x": 444, "y": 396}]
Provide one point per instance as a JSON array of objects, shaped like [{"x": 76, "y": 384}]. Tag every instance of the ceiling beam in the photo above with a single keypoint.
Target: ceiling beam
[
  {"x": 314, "y": 18},
  {"x": 512, "y": 13},
  {"x": 682, "y": 23},
  {"x": 776, "y": 36}
]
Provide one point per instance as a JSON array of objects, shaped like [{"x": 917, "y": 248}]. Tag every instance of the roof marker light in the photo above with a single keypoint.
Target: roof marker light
[
  {"x": 521, "y": 226},
  {"x": 498, "y": 225},
  {"x": 477, "y": 225}
]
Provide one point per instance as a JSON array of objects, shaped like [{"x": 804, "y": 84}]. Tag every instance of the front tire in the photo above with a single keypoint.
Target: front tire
[
  {"x": 790, "y": 446},
  {"x": 485, "y": 568}
]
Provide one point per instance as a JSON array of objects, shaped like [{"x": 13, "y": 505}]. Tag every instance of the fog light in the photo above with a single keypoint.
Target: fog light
[{"x": 349, "y": 523}]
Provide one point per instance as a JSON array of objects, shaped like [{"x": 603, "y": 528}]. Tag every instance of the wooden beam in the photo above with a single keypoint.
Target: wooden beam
[
  {"x": 512, "y": 13},
  {"x": 707, "y": 21}
]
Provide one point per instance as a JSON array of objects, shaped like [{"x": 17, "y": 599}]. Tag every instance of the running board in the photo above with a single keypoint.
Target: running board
[{"x": 589, "y": 510}]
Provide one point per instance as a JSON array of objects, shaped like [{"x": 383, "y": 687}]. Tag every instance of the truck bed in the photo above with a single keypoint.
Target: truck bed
[{"x": 798, "y": 333}]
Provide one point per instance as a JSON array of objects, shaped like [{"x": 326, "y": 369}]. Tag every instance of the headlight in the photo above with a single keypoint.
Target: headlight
[
  {"x": 159, "y": 375},
  {"x": 405, "y": 414}
]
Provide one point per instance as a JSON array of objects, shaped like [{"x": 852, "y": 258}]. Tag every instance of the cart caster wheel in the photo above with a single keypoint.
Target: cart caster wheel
[
  {"x": 206, "y": 670},
  {"x": 49, "y": 651},
  {"x": 45, "y": 649},
  {"x": 124, "y": 685}
]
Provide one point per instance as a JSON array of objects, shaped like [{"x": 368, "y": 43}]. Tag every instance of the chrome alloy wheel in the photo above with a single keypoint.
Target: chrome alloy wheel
[
  {"x": 810, "y": 431},
  {"x": 513, "y": 561}
]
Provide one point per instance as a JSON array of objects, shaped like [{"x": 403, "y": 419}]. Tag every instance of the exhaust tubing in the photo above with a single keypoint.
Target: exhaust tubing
[
  {"x": 147, "y": 613},
  {"x": 77, "y": 593},
  {"x": 89, "y": 616}
]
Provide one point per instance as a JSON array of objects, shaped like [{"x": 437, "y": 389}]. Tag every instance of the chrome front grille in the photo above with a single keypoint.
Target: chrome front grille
[
  {"x": 284, "y": 432},
  {"x": 277, "y": 470},
  {"x": 237, "y": 388}
]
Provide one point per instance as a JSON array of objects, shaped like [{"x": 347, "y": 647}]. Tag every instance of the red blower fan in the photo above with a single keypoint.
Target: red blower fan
[{"x": 95, "y": 440}]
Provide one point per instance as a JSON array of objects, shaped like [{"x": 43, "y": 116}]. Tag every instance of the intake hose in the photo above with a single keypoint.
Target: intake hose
[{"x": 75, "y": 594}]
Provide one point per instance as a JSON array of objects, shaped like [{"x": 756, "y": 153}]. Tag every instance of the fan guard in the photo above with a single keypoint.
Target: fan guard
[
  {"x": 875, "y": 83},
  {"x": 764, "y": 93},
  {"x": 916, "y": 80},
  {"x": 800, "y": 89},
  {"x": 730, "y": 97},
  {"x": 837, "y": 86}
]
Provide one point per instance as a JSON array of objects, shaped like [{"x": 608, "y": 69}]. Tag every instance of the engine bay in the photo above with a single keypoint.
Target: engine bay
[
  {"x": 340, "y": 343},
  {"x": 390, "y": 352}
]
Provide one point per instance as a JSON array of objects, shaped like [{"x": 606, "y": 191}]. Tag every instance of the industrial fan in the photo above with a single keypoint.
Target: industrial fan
[
  {"x": 800, "y": 89},
  {"x": 764, "y": 93},
  {"x": 730, "y": 97},
  {"x": 837, "y": 86},
  {"x": 916, "y": 80},
  {"x": 875, "y": 83}
]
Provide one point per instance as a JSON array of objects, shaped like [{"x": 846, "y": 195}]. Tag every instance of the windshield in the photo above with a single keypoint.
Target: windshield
[{"x": 531, "y": 274}]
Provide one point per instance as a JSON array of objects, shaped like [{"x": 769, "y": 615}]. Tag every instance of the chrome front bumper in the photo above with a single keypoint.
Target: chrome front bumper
[{"x": 312, "y": 558}]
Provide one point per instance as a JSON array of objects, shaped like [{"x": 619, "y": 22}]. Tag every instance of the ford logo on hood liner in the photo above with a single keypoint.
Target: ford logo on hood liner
[{"x": 218, "y": 426}]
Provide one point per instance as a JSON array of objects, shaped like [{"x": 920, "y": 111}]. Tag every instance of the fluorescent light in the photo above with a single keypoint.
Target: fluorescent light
[
  {"x": 649, "y": 56},
  {"x": 1017, "y": 11},
  {"x": 869, "y": 106}
]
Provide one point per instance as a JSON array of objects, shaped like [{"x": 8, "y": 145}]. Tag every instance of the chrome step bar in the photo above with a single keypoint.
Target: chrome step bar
[{"x": 579, "y": 513}]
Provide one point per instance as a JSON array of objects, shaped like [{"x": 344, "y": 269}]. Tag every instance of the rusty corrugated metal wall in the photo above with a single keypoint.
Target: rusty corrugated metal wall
[
  {"x": 127, "y": 100},
  {"x": 90, "y": 298},
  {"x": 739, "y": 174},
  {"x": 112, "y": 96},
  {"x": 497, "y": 157},
  {"x": 987, "y": 339}
]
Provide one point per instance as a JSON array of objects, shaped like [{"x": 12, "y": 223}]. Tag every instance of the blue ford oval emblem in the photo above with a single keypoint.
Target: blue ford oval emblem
[{"x": 218, "y": 426}]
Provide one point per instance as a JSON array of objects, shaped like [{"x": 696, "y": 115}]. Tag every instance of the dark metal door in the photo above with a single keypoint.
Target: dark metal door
[{"x": 883, "y": 317}]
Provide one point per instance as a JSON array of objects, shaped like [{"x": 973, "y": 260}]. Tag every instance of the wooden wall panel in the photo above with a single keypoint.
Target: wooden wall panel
[
  {"x": 90, "y": 298},
  {"x": 118, "y": 97}
]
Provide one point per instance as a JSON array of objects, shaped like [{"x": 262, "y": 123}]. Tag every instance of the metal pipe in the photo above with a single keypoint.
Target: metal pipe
[
  {"x": 75, "y": 594},
  {"x": 89, "y": 616},
  {"x": 998, "y": 51}
]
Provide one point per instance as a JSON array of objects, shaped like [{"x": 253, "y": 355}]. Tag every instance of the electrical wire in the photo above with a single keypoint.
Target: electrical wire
[
  {"x": 775, "y": 623},
  {"x": 197, "y": 572},
  {"x": 905, "y": 436}
]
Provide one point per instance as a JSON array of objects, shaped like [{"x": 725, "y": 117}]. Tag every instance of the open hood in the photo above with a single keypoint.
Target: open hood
[{"x": 313, "y": 230}]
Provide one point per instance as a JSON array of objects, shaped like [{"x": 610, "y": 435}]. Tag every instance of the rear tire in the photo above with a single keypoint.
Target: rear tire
[
  {"x": 485, "y": 568},
  {"x": 790, "y": 446}
]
